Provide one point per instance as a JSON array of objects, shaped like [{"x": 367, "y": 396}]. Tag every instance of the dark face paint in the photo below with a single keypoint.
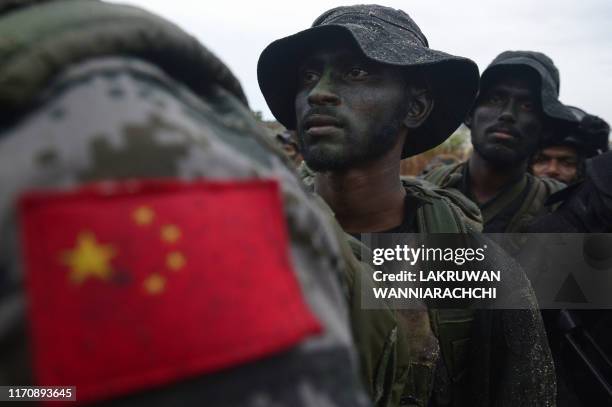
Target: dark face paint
[
  {"x": 349, "y": 110},
  {"x": 507, "y": 122}
]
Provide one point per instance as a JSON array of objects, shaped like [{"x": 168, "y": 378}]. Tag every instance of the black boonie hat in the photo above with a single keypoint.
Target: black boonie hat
[
  {"x": 547, "y": 72},
  {"x": 591, "y": 136},
  {"x": 386, "y": 36}
]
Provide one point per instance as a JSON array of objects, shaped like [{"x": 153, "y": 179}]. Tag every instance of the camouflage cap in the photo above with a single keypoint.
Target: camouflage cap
[
  {"x": 547, "y": 73},
  {"x": 384, "y": 35}
]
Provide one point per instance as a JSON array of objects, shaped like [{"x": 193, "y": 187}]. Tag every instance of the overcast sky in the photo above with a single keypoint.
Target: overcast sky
[{"x": 576, "y": 34}]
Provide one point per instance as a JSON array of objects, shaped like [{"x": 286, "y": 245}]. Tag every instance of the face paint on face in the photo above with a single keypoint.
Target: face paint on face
[
  {"x": 507, "y": 122},
  {"x": 557, "y": 162},
  {"x": 349, "y": 110}
]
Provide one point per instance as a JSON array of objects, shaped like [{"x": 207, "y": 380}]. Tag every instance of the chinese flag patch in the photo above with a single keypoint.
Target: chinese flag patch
[{"x": 135, "y": 285}]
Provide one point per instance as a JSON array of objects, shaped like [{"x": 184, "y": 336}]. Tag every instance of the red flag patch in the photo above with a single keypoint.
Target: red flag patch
[{"x": 146, "y": 283}]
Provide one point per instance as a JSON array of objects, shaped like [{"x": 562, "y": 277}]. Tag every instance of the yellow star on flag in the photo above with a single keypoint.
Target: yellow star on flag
[
  {"x": 175, "y": 261},
  {"x": 154, "y": 284},
  {"x": 170, "y": 233},
  {"x": 143, "y": 215},
  {"x": 89, "y": 259}
]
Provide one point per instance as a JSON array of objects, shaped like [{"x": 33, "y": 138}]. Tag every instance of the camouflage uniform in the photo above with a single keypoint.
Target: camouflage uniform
[{"x": 92, "y": 91}]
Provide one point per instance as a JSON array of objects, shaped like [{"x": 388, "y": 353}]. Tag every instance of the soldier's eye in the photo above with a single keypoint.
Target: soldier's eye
[
  {"x": 357, "y": 73},
  {"x": 568, "y": 162},
  {"x": 541, "y": 160},
  {"x": 309, "y": 76},
  {"x": 494, "y": 99},
  {"x": 527, "y": 106}
]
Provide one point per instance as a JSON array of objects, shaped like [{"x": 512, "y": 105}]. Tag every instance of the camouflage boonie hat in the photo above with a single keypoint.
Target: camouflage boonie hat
[{"x": 386, "y": 36}]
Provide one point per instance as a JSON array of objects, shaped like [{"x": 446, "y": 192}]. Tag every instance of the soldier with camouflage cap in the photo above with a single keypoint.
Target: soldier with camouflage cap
[{"x": 91, "y": 91}]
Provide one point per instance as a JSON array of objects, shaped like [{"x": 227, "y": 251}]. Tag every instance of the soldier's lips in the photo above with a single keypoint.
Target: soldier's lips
[
  {"x": 323, "y": 131},
  {"x": 318, "y": 125},
  {"x": 503, "y": 134}
]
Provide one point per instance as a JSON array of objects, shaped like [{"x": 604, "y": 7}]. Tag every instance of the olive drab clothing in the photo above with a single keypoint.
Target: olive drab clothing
[
  {"x": 392, "y": 366},
  {"x": 398, "y": 41},
  {"x": 402, "y": 341},
  {"x": 444, "y": 211},
  {"x": 91, "y": 91},
  {"x": 513, "y": 209},
  {"x": 484, "y": 357}
]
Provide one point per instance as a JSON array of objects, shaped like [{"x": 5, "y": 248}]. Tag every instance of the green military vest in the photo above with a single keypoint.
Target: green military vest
[
  {"x": 454, "y": 327},
  {"x": 532, "y": 190},
  {"x": 443, "y": 211},
  {"x": 449, "y": 212}
]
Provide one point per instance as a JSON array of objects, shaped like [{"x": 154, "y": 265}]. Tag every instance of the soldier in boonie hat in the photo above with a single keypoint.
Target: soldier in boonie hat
[
  {"x": 536, "y": 118},
  {"x": 363, "y": 90},
  {"x": 517, "y": 109},
  {"x": 385, "y": 36},
  {"x": 548, "y": 80}
]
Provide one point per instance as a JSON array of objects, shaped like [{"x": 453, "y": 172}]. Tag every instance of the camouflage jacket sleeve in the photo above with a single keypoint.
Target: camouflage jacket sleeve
[{"x": 118, "y": 118}]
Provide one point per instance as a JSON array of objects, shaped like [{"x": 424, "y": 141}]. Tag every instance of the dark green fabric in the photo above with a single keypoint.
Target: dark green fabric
[
  {"x": 387, "y": 365},
  {"x": 449, "y": 212},
  {"x": 453, "y": 328},
  {"x": 381, "y": 343},
  {"x": 526, "y": 197},
  {"x": 444, "y": 211},
  {"x": 476, "y": 334}
]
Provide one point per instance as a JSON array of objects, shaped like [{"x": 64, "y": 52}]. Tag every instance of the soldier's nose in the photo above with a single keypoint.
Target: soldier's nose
[
  {"x": 323, "y": 92},
  {"x": 506, "y": 116},
  {"x": 552, "y": 168},
  {"x": 322, "y": 97}
]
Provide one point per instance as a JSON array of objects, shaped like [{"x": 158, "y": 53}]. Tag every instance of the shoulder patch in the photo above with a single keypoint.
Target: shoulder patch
[{"x": 196, "y": 276}]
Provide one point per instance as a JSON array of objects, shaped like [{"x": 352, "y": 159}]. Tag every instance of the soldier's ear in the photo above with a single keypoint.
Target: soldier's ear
[
  {"x": 420, "y": 103},
  {"x": 468, "y": 119}
]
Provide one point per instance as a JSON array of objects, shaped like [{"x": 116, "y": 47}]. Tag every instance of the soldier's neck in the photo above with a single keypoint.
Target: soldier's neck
[
  {"x": 367, "y": 198},
  {"x": 487, "y": 180}
]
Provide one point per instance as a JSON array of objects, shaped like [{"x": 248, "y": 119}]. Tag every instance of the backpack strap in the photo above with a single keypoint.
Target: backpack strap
[
  {"x": 444, "y": 210},
  {"x": 440, "y": 175},
  {"x": 534, "y": 203}
]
